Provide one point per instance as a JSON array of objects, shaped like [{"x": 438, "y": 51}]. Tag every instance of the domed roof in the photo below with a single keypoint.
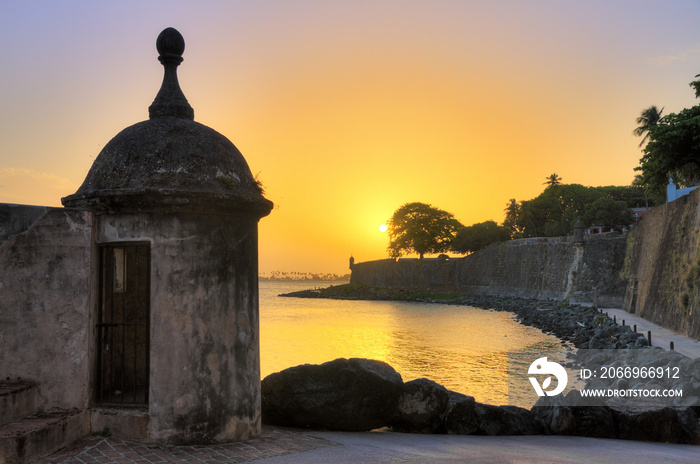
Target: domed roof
[{"x": 170, "y": 160}]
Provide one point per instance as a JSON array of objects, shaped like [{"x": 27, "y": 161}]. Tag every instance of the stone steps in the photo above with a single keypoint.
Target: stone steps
[
  {"x": 27, "y": 435},
  {"x": 17, "y": 400}
]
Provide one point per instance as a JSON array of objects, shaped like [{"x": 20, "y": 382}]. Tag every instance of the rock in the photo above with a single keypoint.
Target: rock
[
  {"x": 460, "y": 415},
  {"x": 344, "y": 394},
  {"x": 554, "y": 415},
  {"x": 421, "y": 406},
  {"x": 593, "y": 421},
  {"x": 590, "y": 421},
  {"x": 505, "y": 420},
  {"x": 567, "y": 416},
  {"x": 671, "y": 425}
]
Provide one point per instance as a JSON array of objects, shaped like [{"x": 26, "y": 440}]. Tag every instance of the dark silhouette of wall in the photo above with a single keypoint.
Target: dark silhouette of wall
[{"x": 540, "y": 268}]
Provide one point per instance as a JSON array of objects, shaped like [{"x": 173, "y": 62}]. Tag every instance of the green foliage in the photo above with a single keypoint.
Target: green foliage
[
  {"x": 649, "y": 118},
  {"x": 673, "y": 151},
  {"x": 511, "y": 220},
  {"x": 696, "y": 86},
  {"x": 229, "y": 182},
  {"x": 673, "y": 148},
  {"x": 477, "y": 236},
  {"x": 608, "y": 213},
  {"x": 555, "y": 211},
  {"x": 421, "y": 228}
]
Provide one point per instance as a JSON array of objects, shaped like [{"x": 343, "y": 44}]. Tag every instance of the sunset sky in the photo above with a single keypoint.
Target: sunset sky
[{"x": 345, "y": 110}]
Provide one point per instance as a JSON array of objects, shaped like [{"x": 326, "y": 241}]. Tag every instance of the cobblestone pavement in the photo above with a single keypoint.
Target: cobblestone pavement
[{"x": 272, "y": 442}]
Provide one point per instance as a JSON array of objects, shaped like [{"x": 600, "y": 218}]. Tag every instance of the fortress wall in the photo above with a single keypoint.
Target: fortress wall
[
  {"x": 662, "y": 266},
  {"x": 542, "y": 268}
]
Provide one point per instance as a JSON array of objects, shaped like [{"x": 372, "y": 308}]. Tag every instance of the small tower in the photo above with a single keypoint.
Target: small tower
[
  {"x": 175, "y": 212},
  {"x": 579, "y": 228}
]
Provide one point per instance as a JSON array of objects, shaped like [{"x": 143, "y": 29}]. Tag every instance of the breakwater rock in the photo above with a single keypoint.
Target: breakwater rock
[
  {"x": 345, "y": 394},
  {"x": 583, "y": 326},
  {"x": 363, "y": 394}
]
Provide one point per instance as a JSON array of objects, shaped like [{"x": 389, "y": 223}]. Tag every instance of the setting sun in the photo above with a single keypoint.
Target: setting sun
[{"x": 382, "y": 228}]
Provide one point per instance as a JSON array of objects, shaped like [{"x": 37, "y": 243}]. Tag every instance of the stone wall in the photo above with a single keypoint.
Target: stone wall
[
  {"x": 662, "y": 266},
  {"x": 44, "y": 301},
  {"x": 541, "y": 268},
  {"x": 15, "y": 219}
]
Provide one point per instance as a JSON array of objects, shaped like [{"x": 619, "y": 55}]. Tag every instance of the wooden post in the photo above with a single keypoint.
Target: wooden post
[{"x": 649, "y": 337}]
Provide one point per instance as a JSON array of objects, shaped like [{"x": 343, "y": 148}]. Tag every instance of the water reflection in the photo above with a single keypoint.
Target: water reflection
[{"x": 465, "y": 349}]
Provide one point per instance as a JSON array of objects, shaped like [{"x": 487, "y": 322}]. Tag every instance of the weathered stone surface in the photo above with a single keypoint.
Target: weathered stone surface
[
  {"x": 505, "y": 420},
  {"x": 344, "y": 394},
  {"x": 421, "y": 406},
  {"x": 568, "y": 416},
  {"x": 170, "y": 160},
  {"x": 460, "y": 415},
  {"x": 45, "y": 306},
  {"x": 662, "y": 254},
  {"x": 204, "y": 384},
  {"x": 593, "y": 421},
  {"x": 15, "y": 219},
  {"x": 554, "y": 415},
  {"x": 672, "y": 425}
]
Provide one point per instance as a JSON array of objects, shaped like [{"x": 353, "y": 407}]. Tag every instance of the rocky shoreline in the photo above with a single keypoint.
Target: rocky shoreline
[
  {"x": 583, "y": 326},
  {"x": 316, "y": 396}
]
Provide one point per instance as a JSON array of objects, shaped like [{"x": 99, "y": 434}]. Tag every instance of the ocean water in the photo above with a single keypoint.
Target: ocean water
[{"x": 463, "y": 348}]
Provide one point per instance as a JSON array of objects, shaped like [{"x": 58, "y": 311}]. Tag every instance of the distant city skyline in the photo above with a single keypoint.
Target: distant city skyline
[{"x": 347, "y": 110}]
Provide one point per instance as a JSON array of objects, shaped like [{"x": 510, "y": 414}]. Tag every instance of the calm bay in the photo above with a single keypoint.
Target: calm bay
[{"x": 462, "y": 348}]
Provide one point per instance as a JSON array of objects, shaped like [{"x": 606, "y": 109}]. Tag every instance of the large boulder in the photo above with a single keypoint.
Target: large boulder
[
  {"x": 460, "y": 415},
  {"x": 344, "y": 394},
  {"x": 671, "y": 425},
  {"x": 505, "y": 420},
  {"x": 555, "y": 415},
  {"x": 570, "y": 416},
  {"x": 421, "y": 406}
]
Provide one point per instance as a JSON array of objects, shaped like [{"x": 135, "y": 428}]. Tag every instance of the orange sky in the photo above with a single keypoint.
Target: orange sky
[{"x": 347, "y": 110}]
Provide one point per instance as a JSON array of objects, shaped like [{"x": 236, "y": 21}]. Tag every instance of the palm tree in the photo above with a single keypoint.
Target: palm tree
[
  {"x": 553, "y": 180},
  {"x": 649, "y": 118},
  {"x": 512, "y": 215}
]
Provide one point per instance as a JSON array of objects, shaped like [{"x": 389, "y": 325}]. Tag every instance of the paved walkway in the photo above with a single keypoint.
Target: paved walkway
[
  {"x": 283, "y": 446},
  {"x": 273, "y": 442},
  {"x": 659, "y": 336}
]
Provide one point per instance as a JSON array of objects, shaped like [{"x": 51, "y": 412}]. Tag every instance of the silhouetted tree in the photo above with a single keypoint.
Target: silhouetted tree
[
  {"x": 553, "y": 180},
  {"x": 512, "y": 216},
  {"x": 421, "y": 228},
  {"x": 475, "y": 237},
  {"x": 649, "y": 118}
]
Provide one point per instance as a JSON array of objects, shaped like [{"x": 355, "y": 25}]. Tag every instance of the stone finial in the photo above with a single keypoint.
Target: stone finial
[{"x": 170, "y": 101}]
